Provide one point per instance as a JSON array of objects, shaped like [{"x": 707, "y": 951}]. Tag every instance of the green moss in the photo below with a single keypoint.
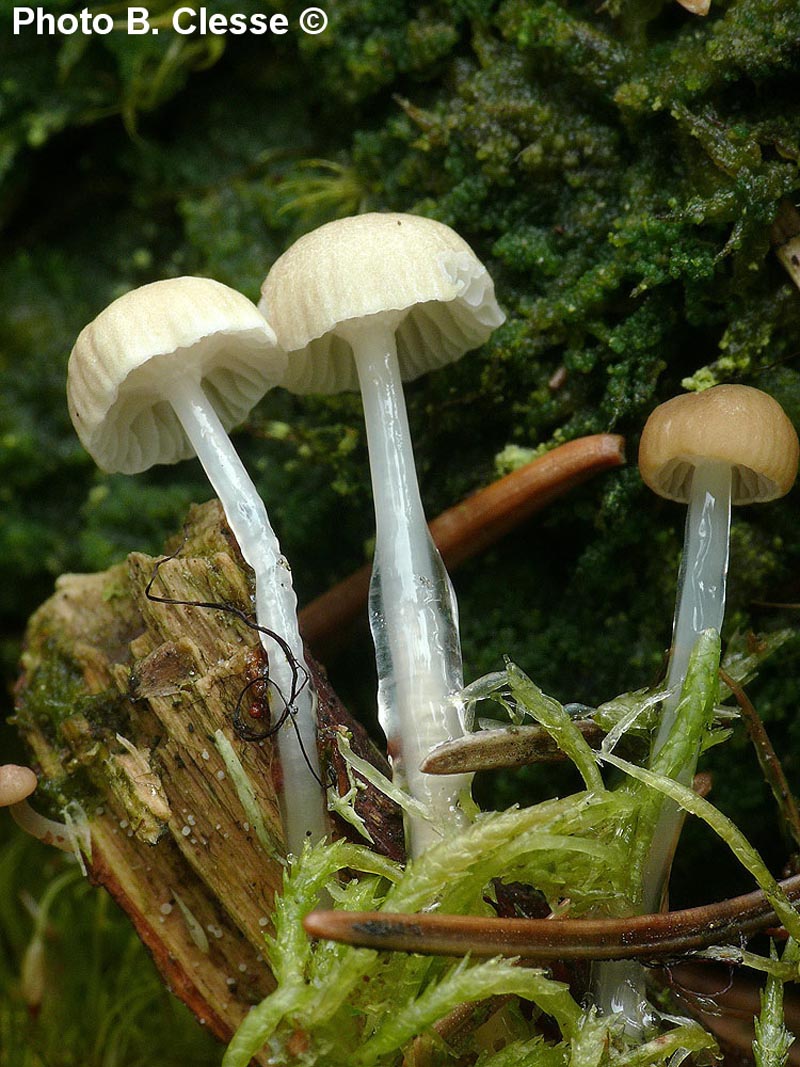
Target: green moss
[
  {"x": 55, "y": 687},
  {"x": 55, "y": 691}
]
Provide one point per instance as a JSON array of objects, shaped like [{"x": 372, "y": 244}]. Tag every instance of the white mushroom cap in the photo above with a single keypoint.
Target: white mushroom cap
[
  {"x": 158, "y": 333},
  {"x": 732, "y": 424},
  {"x": 16, "y": 784},
  {"x": 367, "y": 265}
]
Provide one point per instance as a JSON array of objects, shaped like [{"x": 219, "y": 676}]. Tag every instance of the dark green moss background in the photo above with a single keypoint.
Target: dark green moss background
[{"x": 617, "y": 169}]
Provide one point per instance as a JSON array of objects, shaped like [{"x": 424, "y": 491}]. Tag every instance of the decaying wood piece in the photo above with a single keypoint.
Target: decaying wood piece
[
  {"x": 120, "y": 700},
  {"x": 381, "y": 816},
  {"x": 785, "y": 237}
]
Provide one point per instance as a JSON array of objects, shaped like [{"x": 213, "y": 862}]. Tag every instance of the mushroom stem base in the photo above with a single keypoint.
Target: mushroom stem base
[{"x": 413, "y": 611}]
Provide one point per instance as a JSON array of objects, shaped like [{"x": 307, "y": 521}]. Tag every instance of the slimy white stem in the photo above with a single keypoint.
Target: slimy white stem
[
  {"x": 413, "y": 611},
  {"x": 700, "y": 606},
  {"x": 619, "y": 986},
  {"x": 700, "y": 603},
  {"x": 276, "y": 608}
]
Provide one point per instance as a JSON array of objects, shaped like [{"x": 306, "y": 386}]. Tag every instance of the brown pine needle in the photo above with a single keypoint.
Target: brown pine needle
[
  {"x": 507, "y": 746},
  {"x": 768, "y": 759},
  {"x": 646, "y": 937}
]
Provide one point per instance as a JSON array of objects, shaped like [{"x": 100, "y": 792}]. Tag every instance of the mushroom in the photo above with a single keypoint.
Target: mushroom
[
  {"x": 162, "y": 374},
  {"x": 727, "y": 444},
  {"x": 378, "y": 299},
  {"x": 697, "y": 7},
  {"x": 16, "y": 785}
]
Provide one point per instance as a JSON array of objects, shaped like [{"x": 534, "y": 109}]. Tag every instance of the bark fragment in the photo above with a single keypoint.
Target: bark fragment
[{"x": 120, "y": 699}]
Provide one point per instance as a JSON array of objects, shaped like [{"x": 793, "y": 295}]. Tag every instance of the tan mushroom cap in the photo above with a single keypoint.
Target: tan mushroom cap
[
  {"x": 366, "y": 265},
  {"x": 733, "y": 424},
  {"x": 16, "y": 784},
  {"x": 123, "y": 360}
]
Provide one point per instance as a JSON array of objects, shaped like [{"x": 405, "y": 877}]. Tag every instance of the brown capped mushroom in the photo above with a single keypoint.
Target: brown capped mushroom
[
  {"x": 728, "y": 444},
  {"x": 741, "y": 428},
  {"x": 378, "y": 299}
]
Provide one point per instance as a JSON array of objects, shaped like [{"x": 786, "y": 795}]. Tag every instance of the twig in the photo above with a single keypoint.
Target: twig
[
  {"x": 768, "y": 760},
  {"x": 644, "y": 937},
  {"x": 468, "y": 528},
  {"x": 451, "y": 1031}
]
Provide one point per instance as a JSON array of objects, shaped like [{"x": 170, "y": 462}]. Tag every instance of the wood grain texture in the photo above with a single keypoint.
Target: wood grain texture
[{"x": 120, "y": 700}]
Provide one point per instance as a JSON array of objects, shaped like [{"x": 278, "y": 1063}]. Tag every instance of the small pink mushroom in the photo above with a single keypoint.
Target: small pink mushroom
[{"x": 16, "y": 785}]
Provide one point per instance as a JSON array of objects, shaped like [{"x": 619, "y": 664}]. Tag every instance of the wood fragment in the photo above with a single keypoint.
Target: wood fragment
[
  {"x": 120, "y": 701},
  {"x": 785, "y": 237}
]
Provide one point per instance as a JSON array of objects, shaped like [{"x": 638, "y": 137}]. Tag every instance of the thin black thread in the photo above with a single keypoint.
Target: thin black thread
[{"x": 300, "y": 676}]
